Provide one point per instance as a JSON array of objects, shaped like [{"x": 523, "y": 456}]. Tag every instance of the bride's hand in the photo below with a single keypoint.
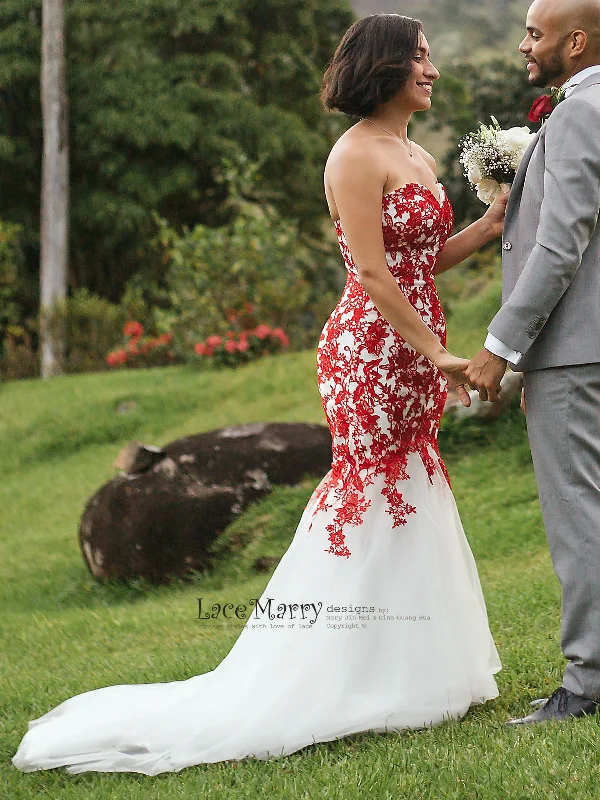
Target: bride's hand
[
  {"x": 494, "y": 216},
  {"x": 454, "y": 369}
]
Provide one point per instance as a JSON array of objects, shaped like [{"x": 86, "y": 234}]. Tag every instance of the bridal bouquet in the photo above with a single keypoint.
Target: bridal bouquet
[{"x": 491, "y": 157}]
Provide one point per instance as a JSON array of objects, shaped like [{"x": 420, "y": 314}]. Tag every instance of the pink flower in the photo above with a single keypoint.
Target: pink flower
[
  {"x": 134, "y": 329},
  {"x": 202, "y": 349},
  {"x": 116, "y": 357},
  {"x": 230, "y": 346},
  {"x": 262, "y": 331},
  {"x": 132, "y": 345},
  {"x": 165, "y": 338},
  {"x": 280, "y": 334},
  {"x": 230, "y": 335},
  {"x": 242, "y": 345},
  {"x": 214, "y": 341}
]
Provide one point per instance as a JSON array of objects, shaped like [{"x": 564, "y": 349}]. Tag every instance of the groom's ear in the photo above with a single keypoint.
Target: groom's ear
[{"x": 579, "y": 43}]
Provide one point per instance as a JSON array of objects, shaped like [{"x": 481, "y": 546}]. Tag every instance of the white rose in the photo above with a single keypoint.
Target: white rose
[
  {"x": 517, "y": 141},
  {"x": 474, "y": 174},
  {"x": 505, "y": 187},
  {"x": 488, "y": 190},
  {"x": 517, "y": 138}
]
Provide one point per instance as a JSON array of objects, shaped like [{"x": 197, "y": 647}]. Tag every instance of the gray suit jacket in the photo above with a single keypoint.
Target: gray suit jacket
[{"x": 551, "y": 241}]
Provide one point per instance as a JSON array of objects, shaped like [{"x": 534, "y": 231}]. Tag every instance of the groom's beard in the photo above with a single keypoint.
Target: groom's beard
[{"x": 550, "y": 70}]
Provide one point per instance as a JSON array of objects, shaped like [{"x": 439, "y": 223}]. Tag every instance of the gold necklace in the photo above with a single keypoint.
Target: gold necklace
[{"x": 389, "y": 133}]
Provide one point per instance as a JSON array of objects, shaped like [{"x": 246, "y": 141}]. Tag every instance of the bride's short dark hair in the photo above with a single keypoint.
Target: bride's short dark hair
[{"x": 372, "y": 63}]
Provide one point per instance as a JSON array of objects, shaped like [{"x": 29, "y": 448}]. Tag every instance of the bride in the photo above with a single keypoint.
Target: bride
[{"x": 374, "y": 619}]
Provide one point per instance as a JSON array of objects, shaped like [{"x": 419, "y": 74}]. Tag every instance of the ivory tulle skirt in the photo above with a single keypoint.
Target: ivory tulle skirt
[{"x": 418, "y": 652}]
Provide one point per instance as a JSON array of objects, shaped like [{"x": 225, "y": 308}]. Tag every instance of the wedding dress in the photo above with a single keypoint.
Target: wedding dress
[{"x": 374, "y": 619}]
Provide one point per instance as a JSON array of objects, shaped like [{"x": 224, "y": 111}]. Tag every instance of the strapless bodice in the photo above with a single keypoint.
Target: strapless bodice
[{"x": 416, "y": 225}]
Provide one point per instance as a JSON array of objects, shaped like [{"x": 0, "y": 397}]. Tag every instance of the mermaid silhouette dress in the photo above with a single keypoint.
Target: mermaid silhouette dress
[{"x": 374, "y": 619}]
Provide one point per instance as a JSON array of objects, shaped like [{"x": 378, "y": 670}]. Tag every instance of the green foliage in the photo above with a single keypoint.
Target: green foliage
[
  {"x": 159, "y": 94},
  {"x": 258, "y": 261},
  {"x": 92, "y": 326},
  {"x": 18, "y": 358},
  {"x": 11, "y": 266}
]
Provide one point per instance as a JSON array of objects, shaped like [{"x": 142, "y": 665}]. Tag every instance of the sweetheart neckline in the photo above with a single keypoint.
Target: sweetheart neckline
[
  {"x": 438, "y": 199},
  {"x": 440, "y": 202}
]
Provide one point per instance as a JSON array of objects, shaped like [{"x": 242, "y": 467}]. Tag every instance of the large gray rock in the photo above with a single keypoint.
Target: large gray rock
[{"x": 158, "y": 518}]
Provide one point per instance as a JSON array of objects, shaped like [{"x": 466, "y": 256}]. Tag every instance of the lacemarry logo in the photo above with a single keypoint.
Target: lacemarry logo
[{"x": 301, "y": 612}]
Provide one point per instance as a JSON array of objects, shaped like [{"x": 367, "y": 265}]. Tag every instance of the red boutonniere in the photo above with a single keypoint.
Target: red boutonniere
[{"x": 545, "y": 104}]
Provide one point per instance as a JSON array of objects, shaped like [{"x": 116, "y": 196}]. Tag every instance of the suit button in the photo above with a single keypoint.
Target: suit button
[{"x": 507, "y": 246}]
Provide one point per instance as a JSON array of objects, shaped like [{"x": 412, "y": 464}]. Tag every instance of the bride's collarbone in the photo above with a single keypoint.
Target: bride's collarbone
[{"x": 429, "y": 181}]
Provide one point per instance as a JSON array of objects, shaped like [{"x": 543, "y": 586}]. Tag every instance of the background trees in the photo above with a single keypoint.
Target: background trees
[{"x": 159, "y": 93}]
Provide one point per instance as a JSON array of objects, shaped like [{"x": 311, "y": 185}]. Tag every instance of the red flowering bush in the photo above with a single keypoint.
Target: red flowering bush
[
  {"x": 291, "y": 279},
  {"x": 141, "y": 351},
  {"x": 133, "y": 329},
  {"x": 239, "y": 347}
]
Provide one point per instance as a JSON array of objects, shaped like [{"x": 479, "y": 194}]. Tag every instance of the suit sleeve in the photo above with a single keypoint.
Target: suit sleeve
[{"x": 568, "y": 217}]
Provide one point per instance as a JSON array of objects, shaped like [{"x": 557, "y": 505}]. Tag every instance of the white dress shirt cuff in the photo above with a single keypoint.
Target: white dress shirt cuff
[{"x": 502, "y": 350}]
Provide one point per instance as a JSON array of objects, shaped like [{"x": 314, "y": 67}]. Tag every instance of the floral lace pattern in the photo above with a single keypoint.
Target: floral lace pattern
[{"x": 382, "y": 399}]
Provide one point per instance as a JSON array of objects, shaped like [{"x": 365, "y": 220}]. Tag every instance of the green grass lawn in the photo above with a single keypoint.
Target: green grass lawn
[{"x": 63, "y": 634}]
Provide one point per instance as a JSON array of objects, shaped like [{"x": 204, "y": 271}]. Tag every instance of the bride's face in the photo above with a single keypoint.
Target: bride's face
[{"x": 416, "y": 95}]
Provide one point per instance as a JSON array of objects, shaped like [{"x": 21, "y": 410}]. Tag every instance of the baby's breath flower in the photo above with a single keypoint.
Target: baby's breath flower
[{"x": 491, "y": 157}]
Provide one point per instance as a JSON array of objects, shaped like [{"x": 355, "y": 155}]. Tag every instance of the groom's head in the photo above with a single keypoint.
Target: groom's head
[{"x": 563, "y": 37}]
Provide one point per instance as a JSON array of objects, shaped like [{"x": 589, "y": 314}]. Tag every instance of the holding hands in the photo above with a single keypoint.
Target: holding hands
[
  {"x": 483, "y": 373},
  {"x": 454, "y": 370}
]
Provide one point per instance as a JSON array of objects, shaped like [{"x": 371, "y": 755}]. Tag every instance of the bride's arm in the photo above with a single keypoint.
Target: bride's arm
[
  {"x": 357, "y": 186},
  {"x": 468, "y": 241}
]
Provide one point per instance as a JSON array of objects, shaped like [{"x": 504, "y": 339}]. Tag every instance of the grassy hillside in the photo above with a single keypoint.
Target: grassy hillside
[{"x": 63, "y": 634}]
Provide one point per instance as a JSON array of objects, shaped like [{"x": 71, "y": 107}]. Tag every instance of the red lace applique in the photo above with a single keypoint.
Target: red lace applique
[{"x": 382, "y": 399}]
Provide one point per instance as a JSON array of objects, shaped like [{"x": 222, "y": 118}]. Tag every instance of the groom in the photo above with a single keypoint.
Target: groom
[{"x": 549, "y": 327}]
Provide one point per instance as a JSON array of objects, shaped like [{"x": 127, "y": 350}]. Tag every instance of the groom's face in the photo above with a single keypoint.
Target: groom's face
[{"x": 545, "y": 49}]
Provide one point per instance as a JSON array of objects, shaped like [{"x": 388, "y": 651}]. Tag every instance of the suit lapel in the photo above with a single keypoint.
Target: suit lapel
[{"x": 517, "y": 186}]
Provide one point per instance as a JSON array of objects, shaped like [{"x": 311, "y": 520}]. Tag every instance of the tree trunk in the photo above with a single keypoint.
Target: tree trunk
[{"x": 55, "y": 185}]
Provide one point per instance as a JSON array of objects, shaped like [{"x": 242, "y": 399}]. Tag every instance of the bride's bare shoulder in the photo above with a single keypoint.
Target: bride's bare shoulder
[{"x": 354, "y": 156}]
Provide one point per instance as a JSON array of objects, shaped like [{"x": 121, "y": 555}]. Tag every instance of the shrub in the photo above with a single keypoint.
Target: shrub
[
  {"x": 11, "y": 266},
  {"x": 92, "y": 326},
  {"x": 139, "y": 350},
  {"x": 19, "y": 357},
  {"x": 239, "y": 347},
  {"x": 257, "y": 260}
]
